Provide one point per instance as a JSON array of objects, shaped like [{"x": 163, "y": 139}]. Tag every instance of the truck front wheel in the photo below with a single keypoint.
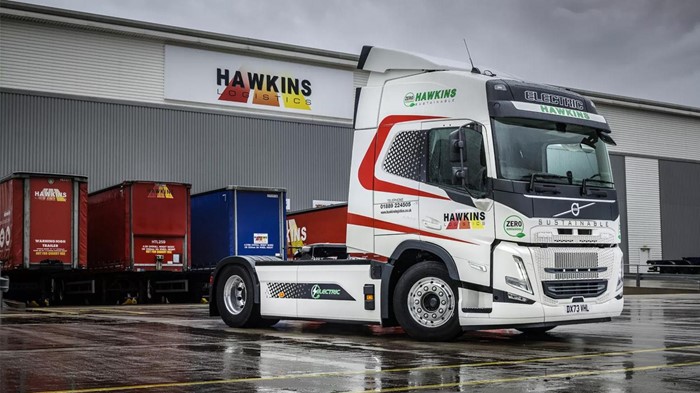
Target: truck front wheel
[
  {"x": 235, "y": 294},
  {"x": 425, "y": 303}
]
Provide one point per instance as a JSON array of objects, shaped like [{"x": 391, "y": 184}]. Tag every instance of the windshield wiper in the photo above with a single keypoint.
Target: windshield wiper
[
  {"x": 542, "y": 175},
  {"x": 584, "y": 190}
]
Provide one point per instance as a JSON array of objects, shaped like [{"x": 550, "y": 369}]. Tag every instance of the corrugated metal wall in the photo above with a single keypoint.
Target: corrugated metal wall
[
  {"x": 111, "y": 142},
  {"x": 57, "y": 59},
  {"x": 62, "y": 59},
  {"x": 680, "y": 209},
  {"x": 653, "y": 133},
  {"x": 643, "y": 209},
  {"x": 618, "y": 167},
  {"x": 652, "y": 210}
]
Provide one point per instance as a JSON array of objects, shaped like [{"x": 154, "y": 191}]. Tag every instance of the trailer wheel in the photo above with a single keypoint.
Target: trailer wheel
[
  {"x": 235, "y": 298},
  {"x": 425, "y": 303}
]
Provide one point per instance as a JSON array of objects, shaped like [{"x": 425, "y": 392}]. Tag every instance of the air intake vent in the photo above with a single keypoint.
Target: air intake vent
[
  {"x": 575, "y": 260},
  {"x": 569, "y": 289}
]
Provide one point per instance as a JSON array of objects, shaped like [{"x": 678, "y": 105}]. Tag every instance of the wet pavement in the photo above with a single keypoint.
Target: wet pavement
[{"x": 653, "y": 347}]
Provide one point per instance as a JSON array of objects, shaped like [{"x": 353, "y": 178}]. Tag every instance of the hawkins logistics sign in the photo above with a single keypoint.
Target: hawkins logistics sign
[{"x": 249, "y": 82}]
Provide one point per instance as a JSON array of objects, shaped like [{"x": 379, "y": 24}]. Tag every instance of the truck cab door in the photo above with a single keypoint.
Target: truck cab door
[
  {"x": 399, "y": 170},
  {"x": 455, "y": 211}
]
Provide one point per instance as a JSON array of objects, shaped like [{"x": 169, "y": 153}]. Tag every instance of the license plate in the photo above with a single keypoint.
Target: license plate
[{"x": 577, "y": 308}]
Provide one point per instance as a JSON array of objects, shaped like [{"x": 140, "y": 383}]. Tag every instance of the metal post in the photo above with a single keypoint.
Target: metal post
[{"x": 639, "y": 278}]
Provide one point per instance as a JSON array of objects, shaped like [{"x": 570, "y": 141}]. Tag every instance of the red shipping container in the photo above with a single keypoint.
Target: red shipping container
[
  {"x": 43, "y": 221},
  {"x": 140, "y": 226},
  {"x": 320, "y": 225}
]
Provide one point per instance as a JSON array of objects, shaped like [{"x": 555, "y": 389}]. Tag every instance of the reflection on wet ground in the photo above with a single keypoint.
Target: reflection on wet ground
[{"x": 654, "y": 346}]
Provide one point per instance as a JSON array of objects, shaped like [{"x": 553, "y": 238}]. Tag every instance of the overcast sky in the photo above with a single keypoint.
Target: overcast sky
[{"x": 638, "y": 48}]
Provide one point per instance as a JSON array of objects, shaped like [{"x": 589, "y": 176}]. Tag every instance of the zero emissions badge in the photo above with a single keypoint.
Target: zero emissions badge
[{"x": 514, "y": 226}]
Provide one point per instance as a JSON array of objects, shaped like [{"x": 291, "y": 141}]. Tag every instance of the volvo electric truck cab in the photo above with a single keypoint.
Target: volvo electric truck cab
[{"x": 474, "y": 202}]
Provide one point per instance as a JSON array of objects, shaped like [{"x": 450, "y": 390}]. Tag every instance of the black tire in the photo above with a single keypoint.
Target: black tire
[
  {"x": 432, "y": 315},
  {"x": 235, "y": 298},
  {"x": 536, "y": 331}
]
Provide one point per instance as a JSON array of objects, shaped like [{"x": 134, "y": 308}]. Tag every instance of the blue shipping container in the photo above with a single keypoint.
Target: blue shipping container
[{"x": 237, "y": 220}]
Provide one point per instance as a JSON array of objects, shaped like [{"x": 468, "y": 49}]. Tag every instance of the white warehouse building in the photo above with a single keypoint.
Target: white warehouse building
[{"x": 116, "y": 99}]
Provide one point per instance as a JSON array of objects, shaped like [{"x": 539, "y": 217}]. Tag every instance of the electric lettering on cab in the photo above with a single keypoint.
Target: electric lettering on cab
[{"x": 554, "y": 99}]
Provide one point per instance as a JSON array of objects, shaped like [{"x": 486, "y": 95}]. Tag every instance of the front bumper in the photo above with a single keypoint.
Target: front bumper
[{"x": 512, "y": 307}]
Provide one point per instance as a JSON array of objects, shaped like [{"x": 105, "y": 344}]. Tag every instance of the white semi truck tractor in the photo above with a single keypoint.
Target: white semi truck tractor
[{"x": 475, "y": 202}]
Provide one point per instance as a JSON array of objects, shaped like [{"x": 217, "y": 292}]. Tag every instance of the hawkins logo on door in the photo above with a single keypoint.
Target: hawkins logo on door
[
  {"x": 256, "y": 88},
  {"x": 464, "y": 220},
  {"x": 50, "y": 194}
]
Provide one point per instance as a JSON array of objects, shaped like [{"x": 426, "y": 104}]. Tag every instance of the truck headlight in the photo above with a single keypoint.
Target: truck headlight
[
  {"x": 621, "y": 276},
  {"x": 522, "y": 282}
]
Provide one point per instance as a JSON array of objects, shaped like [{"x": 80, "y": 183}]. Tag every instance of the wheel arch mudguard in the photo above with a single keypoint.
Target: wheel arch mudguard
[
  {"x": 245, "y": 261},
  {"x": 412, "y": 245},
  {"x": 418, "y": 245}
]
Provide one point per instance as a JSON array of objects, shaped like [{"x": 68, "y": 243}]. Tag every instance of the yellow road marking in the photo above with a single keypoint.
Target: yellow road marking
[
  {"x": 393, "y": 370},
  {"x": 547, "y": 376},
  {"x": 84, "y": 311},
  {"x": 51, "y": 311},
  {"x": 120, "y": 310}
]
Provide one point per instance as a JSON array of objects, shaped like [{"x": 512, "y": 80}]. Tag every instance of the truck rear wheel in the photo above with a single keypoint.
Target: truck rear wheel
[
  {"x": 236, "y": 298},
  {"x": 425, "y": 303}
]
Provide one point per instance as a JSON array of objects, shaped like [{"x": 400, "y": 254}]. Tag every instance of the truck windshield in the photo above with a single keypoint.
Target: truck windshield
[{"x": 556, "y": 152}]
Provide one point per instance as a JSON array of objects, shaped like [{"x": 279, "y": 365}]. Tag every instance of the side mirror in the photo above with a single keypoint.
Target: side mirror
[
  {"x": 459, "y": 175},
  {"x": 606, "y": 138},
  {"x": 589, "y": 141},
  {"x": 457, "y": 144}
]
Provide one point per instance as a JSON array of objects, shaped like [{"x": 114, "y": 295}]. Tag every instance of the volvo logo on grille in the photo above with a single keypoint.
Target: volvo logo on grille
[{"x": 575, "y": 209}]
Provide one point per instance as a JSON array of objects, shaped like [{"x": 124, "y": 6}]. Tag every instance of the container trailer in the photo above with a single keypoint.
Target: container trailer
[
  {"x": 43, "y": 231},
  {"x": 140, "y": 226},
  {"x": 139, "y": 232},
  {"x": 237, "y": 220},
  {"x": 474, "y": 202},
  {"x": 318, "y": 225},
  {"x": 43, "y": 221}
]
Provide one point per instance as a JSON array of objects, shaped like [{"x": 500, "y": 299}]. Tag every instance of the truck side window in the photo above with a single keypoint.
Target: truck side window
[
  {"x": 442, "y": 163},
  {"x": 475, "y": 160},
  {"x": 444, "y": 160}
]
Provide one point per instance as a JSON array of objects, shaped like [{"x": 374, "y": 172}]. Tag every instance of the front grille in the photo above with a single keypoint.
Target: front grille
[
  {"x": 568, "y": 266},
  {"x": 575, "y": 260},
  {"x": 569, "y": 289},
  {"x": 574, "y": 263}
]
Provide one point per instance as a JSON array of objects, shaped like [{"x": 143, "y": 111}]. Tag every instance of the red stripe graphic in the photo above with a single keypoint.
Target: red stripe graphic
[
  {"x": 366, "y": 173},
  {"x": 372, "y": 256},
  {"x": 363, "y": 221}
]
